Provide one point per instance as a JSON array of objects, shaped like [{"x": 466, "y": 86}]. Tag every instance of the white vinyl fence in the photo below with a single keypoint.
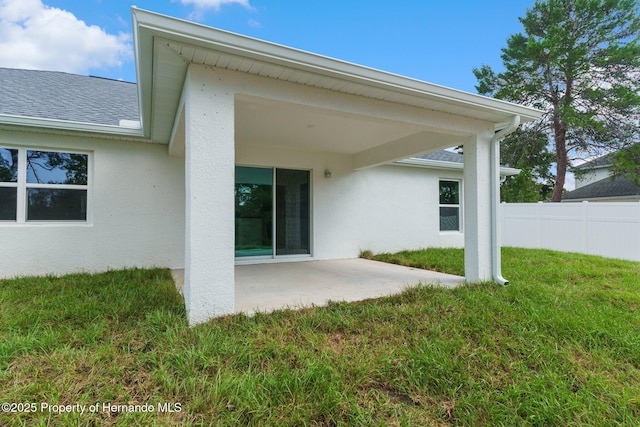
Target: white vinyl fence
[{"x": 606, "y": 229}]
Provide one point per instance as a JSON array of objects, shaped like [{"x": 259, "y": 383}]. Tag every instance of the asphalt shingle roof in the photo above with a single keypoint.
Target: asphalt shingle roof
[
  {"x": 443, "y": 156},
  {"x": 607, "y": 187},
  {"x": 64, "y": 96}
]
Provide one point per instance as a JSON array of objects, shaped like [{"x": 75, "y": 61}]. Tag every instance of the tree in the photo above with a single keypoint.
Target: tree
[
  {"x": 578, "y": 60},
  {"x": 527, "y": 151},
  {"x": 626, "y": 163},
  {"x": 521, "y": 188}
]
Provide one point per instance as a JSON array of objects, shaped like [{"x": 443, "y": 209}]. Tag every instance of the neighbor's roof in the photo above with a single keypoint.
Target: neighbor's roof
[
  {"x": 605, "y": 188},
  {"x": 68, "y": 97}
]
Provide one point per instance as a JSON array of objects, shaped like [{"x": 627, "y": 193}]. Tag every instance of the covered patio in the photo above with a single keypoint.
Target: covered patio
[
  {"x": 246, "y": 113},
  {"x": 294, "y": 285}
]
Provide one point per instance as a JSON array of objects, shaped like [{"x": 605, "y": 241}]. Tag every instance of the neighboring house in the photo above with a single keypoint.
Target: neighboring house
[
  {"x": 237, "y": 150},
  {"x": 595, "y": 183}
]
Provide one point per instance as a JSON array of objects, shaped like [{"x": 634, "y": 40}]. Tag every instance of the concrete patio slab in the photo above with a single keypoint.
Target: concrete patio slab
[
  {"x": 268, "y": 287},
  {"x": 273, "y": 286}
]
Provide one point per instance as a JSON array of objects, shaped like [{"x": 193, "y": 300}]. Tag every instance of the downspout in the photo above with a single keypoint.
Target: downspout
[{"x": 495, "y": 198}]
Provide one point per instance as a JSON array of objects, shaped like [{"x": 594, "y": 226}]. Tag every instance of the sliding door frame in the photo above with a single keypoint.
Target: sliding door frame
[{"x": 274, "y": 257}]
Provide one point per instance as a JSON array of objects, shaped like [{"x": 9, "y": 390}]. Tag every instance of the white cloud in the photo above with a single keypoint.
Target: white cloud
[
  {"x": 36, "y": 36},
  {"x": 214, "y": 4}
]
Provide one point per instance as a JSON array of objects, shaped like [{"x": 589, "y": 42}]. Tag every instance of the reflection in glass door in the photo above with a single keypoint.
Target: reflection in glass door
[
  {"x": 259, "y": 203},
  {"x": 254, "y": 211}
]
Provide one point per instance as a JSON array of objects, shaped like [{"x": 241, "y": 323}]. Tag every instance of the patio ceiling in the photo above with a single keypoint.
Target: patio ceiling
[{"x": 292, "y": 125}]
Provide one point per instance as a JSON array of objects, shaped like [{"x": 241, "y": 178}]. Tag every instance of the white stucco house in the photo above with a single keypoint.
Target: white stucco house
[{"x": 234, "y": 150}]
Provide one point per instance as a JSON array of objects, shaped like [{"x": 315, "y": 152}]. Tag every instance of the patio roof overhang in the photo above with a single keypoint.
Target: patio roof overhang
[{"x": 377, "y": 117}]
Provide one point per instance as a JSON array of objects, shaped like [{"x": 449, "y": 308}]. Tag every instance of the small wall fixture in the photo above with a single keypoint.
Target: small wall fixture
[{"x": 327, "y": 173}]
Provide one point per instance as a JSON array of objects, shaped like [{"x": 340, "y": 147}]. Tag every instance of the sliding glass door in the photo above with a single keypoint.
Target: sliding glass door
[{"x": 272, "y": 212}]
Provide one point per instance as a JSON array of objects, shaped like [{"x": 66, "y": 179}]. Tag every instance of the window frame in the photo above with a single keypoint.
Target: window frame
[
  {"x": 23, "y": 186},
  {"x": 11, "y": 184},
  {"x": 451, "y": 205}
]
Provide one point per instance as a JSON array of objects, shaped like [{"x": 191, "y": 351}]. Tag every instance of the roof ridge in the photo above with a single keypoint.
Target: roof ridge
[{"x": 32, "y": 70}]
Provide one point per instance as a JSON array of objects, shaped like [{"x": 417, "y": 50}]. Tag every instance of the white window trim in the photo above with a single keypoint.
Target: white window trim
[
  {"x": 460, "y": 229},
  {"x": 22, "y": 187}
]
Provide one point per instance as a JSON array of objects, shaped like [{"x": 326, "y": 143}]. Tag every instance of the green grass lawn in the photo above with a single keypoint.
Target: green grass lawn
[{"x": 559, "y": 346}]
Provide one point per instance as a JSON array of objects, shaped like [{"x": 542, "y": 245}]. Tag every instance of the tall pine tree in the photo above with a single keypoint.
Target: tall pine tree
[{"x": 578, "y": 60}]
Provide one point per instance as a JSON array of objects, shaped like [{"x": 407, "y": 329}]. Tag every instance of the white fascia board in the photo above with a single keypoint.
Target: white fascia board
[
  {"x": 144, "y": 69},
  {"x": 254, "y": 49},
  {"x": 63, "y": 125},
  {"x": 439, "y": 164}
]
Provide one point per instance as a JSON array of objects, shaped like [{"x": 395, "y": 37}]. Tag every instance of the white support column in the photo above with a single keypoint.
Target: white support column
[
  {"x": 477, "y": 207},
  {"x": 209, "y": 181}
]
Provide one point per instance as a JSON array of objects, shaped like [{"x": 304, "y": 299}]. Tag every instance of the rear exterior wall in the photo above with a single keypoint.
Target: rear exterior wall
[
  {"x": 135, "y": 212},
  {"x": 136, "y": 208}
]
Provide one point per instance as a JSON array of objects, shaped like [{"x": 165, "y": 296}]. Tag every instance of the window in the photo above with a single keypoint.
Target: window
[
  {"x": 37, "y": 185},
  {"x": 449, "y": 205}
]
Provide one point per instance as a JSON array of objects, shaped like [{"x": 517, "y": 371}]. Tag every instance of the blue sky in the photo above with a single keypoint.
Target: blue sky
[{"x": 435, "y": 41}]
